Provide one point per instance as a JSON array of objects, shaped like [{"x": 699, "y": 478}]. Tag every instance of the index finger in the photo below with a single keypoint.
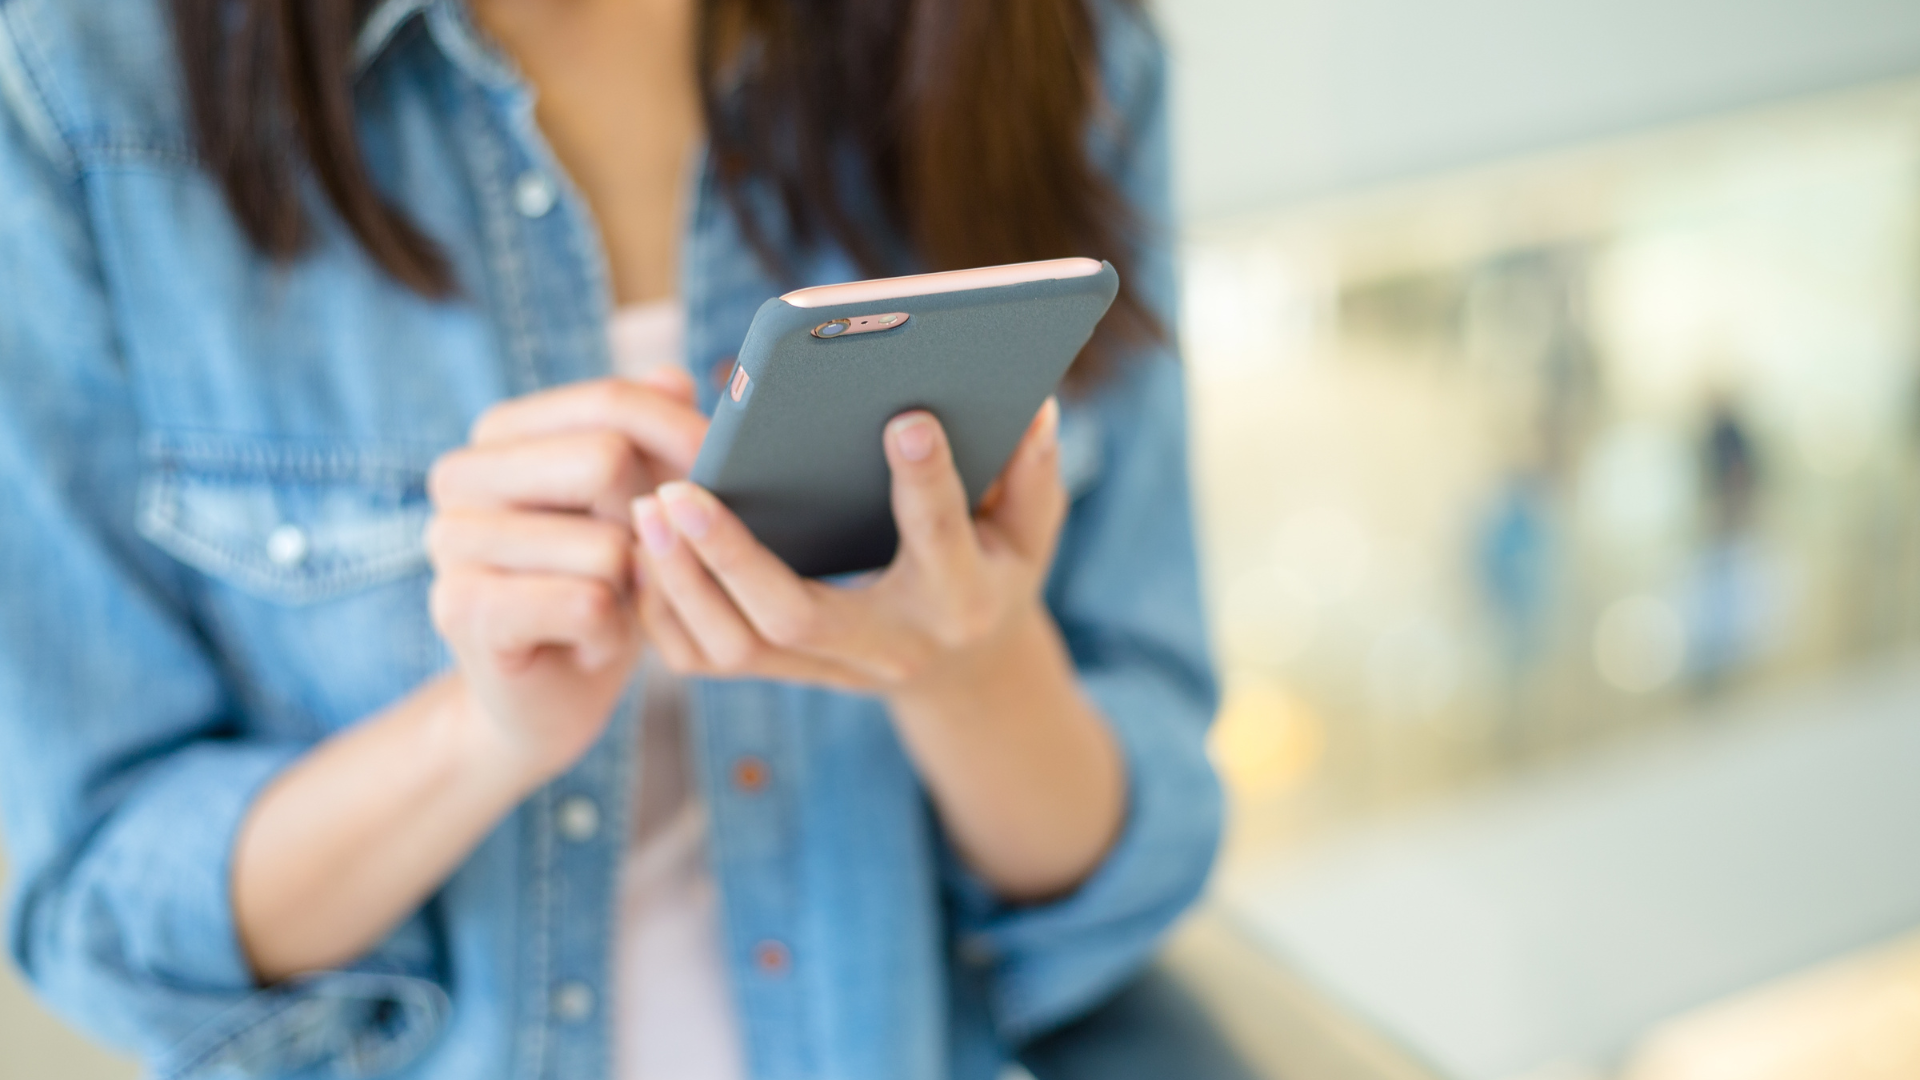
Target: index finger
[
  {"x": 780, "y": 604},
  {"x": 658, "y": 423},
  {"x": 796, "y": 616}
]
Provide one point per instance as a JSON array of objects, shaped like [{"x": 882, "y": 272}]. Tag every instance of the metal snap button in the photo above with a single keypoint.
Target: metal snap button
[
  {"x": 750, "y": 774},
  {"x": 287, "y": 546},
  {"x": 578, "y": 818},
  {"x": 772, "y": 958},
  {"x": 533, "y": 194},
  {"x": 573, "y": 1002}
]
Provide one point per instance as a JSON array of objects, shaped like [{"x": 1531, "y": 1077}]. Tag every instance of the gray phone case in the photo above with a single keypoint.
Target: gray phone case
[{"x": 799, "y": 455}]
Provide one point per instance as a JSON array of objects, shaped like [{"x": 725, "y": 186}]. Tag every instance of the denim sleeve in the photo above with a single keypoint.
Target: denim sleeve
[
  {"x": 1126, "y": 594},
  {"x": 124, "y": 769}
]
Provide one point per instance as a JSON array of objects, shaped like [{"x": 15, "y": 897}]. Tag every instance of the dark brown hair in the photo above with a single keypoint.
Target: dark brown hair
[{"x": 969, "y": 118}]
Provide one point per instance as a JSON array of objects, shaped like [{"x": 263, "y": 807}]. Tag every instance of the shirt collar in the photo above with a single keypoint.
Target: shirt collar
[
  {"x": 381, "y": 25},
  {"x": 451, "y": 27}
]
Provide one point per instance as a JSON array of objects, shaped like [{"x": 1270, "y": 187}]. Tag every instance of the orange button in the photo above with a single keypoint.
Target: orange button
[
  {"x": 772, "y": 958},
  {"x": 750, "y": 774}
]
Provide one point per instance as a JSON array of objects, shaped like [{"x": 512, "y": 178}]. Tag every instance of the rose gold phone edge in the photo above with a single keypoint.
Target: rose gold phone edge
[{"x": 874, "y": 290}]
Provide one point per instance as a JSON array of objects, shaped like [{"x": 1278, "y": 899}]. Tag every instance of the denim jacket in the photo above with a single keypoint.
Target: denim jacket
[{"x": 211, "y": 506}]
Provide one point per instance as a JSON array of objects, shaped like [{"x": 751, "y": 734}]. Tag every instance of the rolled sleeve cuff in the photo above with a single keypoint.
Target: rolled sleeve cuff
[
  {"x": 166, "y": 865},
  {"x": 1051, "y": 961},
  {"x": 152, "y": 950},
  {"x": 363, "y": 1023}
]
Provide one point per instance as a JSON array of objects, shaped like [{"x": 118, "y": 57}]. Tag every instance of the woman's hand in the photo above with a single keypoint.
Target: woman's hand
[
  {"x": 531, "y": 549},
  {"x": 717, "y": 602},
  {"x": 532, "y": 590},
  {"x": 1026, "y": 774}
]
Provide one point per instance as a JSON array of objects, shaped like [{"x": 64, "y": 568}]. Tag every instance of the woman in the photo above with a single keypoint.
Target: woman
[{"x": 585, "y": 783}]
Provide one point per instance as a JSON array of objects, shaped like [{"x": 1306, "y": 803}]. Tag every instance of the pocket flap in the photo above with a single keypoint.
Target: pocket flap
[{"x": 286, "y": 525}]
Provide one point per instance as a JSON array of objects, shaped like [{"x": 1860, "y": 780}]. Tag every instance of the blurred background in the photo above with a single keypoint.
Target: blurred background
[
  {"x": 1556, "y": 398},
  {"x": 1555, "y": 374}
]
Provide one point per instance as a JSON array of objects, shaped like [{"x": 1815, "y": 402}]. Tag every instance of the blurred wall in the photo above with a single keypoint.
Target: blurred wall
[{"x": 1280, "y": 100}]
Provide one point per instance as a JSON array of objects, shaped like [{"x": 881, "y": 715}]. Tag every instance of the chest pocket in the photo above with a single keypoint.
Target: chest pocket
[
  {"x": 293, "y": 525},
  {"x": 314, "y": 590}
]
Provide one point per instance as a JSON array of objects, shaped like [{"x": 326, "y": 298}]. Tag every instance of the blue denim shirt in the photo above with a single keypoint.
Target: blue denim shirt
[{"x": 211, "y": 505}]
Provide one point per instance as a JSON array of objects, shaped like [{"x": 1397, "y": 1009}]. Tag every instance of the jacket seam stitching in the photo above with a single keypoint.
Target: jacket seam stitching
[
  {"x": 116, "y": 149},
  {"x": 191, "y": 452},
  {"x": 28, "y": 98}
]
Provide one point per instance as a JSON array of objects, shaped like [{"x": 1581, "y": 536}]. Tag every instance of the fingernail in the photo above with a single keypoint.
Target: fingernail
[
  {"x": 687, "y": 507},
  {"x": 1050, "y": 424},
  {"x": 913, "y": 436},
  {"x": 654, "y": 531}
]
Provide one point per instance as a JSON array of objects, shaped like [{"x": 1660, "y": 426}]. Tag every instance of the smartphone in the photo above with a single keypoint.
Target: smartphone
[{"x": 795, "y": 448}]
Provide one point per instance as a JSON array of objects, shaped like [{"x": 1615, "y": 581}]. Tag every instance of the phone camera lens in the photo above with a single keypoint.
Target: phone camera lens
[{"x": 832, "y": 329}]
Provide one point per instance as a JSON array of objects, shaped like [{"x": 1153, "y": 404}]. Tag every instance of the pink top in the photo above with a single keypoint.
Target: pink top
[{"x": 674, "y": 1018}]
